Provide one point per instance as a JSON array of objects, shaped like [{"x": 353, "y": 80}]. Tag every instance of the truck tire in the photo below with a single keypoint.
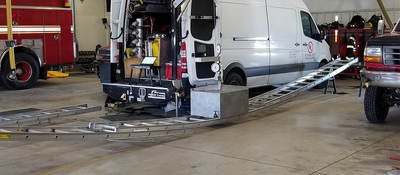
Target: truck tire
[
  {"x": 234, "y": 78},
  {"x": 27, "y": 70},
  {"x": 376, "y": 110}
]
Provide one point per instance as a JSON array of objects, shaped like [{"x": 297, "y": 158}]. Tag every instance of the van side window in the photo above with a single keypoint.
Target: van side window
[
  {"x": 309, "y": 27},
  {"x": 203, "y": 19}
]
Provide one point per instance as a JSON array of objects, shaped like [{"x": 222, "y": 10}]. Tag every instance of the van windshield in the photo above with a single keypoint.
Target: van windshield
[{"x": 203, "y": 19}]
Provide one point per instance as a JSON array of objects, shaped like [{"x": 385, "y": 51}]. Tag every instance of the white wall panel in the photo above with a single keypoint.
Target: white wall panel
[{"x": 89, "y": 28}]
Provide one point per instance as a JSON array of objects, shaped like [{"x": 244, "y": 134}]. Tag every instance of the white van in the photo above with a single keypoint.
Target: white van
[
  {"x": 263, "y": 42},
  {"x": 258, "y": 42}
]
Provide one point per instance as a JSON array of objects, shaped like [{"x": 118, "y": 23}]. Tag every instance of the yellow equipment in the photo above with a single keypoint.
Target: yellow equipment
[
  {"x": 55, "y": 74},
  {"x": 156, "y": 51}
]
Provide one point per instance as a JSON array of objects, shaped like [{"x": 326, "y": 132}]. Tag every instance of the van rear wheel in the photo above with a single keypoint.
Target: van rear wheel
[{"x": 234, "y": 78}]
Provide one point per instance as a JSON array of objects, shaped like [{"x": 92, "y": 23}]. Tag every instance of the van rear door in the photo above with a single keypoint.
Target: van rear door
[{"x": 201, "y": 38}]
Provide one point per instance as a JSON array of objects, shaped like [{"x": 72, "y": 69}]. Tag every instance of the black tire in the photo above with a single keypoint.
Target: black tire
[
  {"x": 325, "y": 83},
  {"x": 375, "y": 108},
  {"x": 27, "y": 69},
  {"x": 234, "y": 78}
]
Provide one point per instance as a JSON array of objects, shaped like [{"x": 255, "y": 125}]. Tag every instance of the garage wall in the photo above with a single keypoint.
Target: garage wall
[
  {"x": 324, "y": 11},
  {"x": 90, "y": 30}
]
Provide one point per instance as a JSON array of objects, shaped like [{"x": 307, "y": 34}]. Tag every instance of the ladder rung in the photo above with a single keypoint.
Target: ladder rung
[
  {"x": 46, "y": 113},
  {"x": 128, "y": 125},
  {"x": 302, "y": 83},
  {"x": 284, "y": 92},
  {"x": 310, "y": 80},
  {"x": 262, "y": 100},
  {"x": 292, "y": 88},
  {"x": 3, "y": 130},
  {"x": 140, "y": 129},
  {"x": 60, "y": 131},
  {"x": 297, "y": 87},
  {"x": 147, "y": 124},
  {"x": 256, "y": 103},
  {"x": 34, "y": 131},
  {"x": 196, "y": 119},
  {"x": 6, "y": 119},
  {"x": 164, "y": 123},
  {"x": 83, "y": 131},
  {"x": 181, "y": 121},
  {"x": 332, "y": 68},
  {"x": 325, "y": 72}
]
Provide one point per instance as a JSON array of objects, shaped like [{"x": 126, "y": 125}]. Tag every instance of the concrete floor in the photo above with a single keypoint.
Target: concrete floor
[{"x": 313, "y": 134}]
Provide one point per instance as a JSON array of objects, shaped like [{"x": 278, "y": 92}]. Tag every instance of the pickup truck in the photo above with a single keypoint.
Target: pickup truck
[{"x": 381, "y": 75}]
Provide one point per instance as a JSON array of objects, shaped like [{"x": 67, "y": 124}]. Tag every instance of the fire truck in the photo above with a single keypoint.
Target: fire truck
[{"x": 43, "y": 31}]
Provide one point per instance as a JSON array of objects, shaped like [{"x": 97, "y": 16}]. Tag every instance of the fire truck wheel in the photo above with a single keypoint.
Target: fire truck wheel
[
  {"x": 234, "y": 78},
  {"x": 375, "y": 108},
  {"x": 27, "y": 72}
]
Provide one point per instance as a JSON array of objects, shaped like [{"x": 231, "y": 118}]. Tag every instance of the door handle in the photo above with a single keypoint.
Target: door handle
[{"x": 297, "y": 44}]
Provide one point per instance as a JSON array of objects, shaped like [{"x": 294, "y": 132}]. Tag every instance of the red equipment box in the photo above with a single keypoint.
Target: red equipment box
[{"x": 168, "y": 71}]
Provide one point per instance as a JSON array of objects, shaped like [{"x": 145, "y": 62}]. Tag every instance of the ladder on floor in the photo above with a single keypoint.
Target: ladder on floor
[
  {"x": 36, "y": 117},
  {"x": 142, "y": 130},
  {"x": 293, "y": 88},
  {"x": 169, "y": 128}
]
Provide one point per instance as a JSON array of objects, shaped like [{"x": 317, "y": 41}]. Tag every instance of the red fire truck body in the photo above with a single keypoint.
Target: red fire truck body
[{"x": 43, "y": 31}]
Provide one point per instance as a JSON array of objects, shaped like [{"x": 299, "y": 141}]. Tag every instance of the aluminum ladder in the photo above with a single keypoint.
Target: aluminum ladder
[
  {"x": 293, "y": 88},
  {"x": 39, "y": 116},
  {"x": 142, "y": 130}
]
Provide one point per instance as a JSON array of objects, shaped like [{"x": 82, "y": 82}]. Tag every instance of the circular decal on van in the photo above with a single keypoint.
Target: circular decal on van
[{"x": 310, "y": 47}]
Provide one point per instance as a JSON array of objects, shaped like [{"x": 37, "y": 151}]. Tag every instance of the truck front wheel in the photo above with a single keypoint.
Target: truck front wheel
[
  {"x": 375, "y": 105},
  {"x": 27, "y": 72}
]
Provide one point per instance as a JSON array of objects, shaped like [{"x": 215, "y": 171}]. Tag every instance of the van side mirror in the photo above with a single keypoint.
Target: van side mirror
[{"x": 320, "y": 36}]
